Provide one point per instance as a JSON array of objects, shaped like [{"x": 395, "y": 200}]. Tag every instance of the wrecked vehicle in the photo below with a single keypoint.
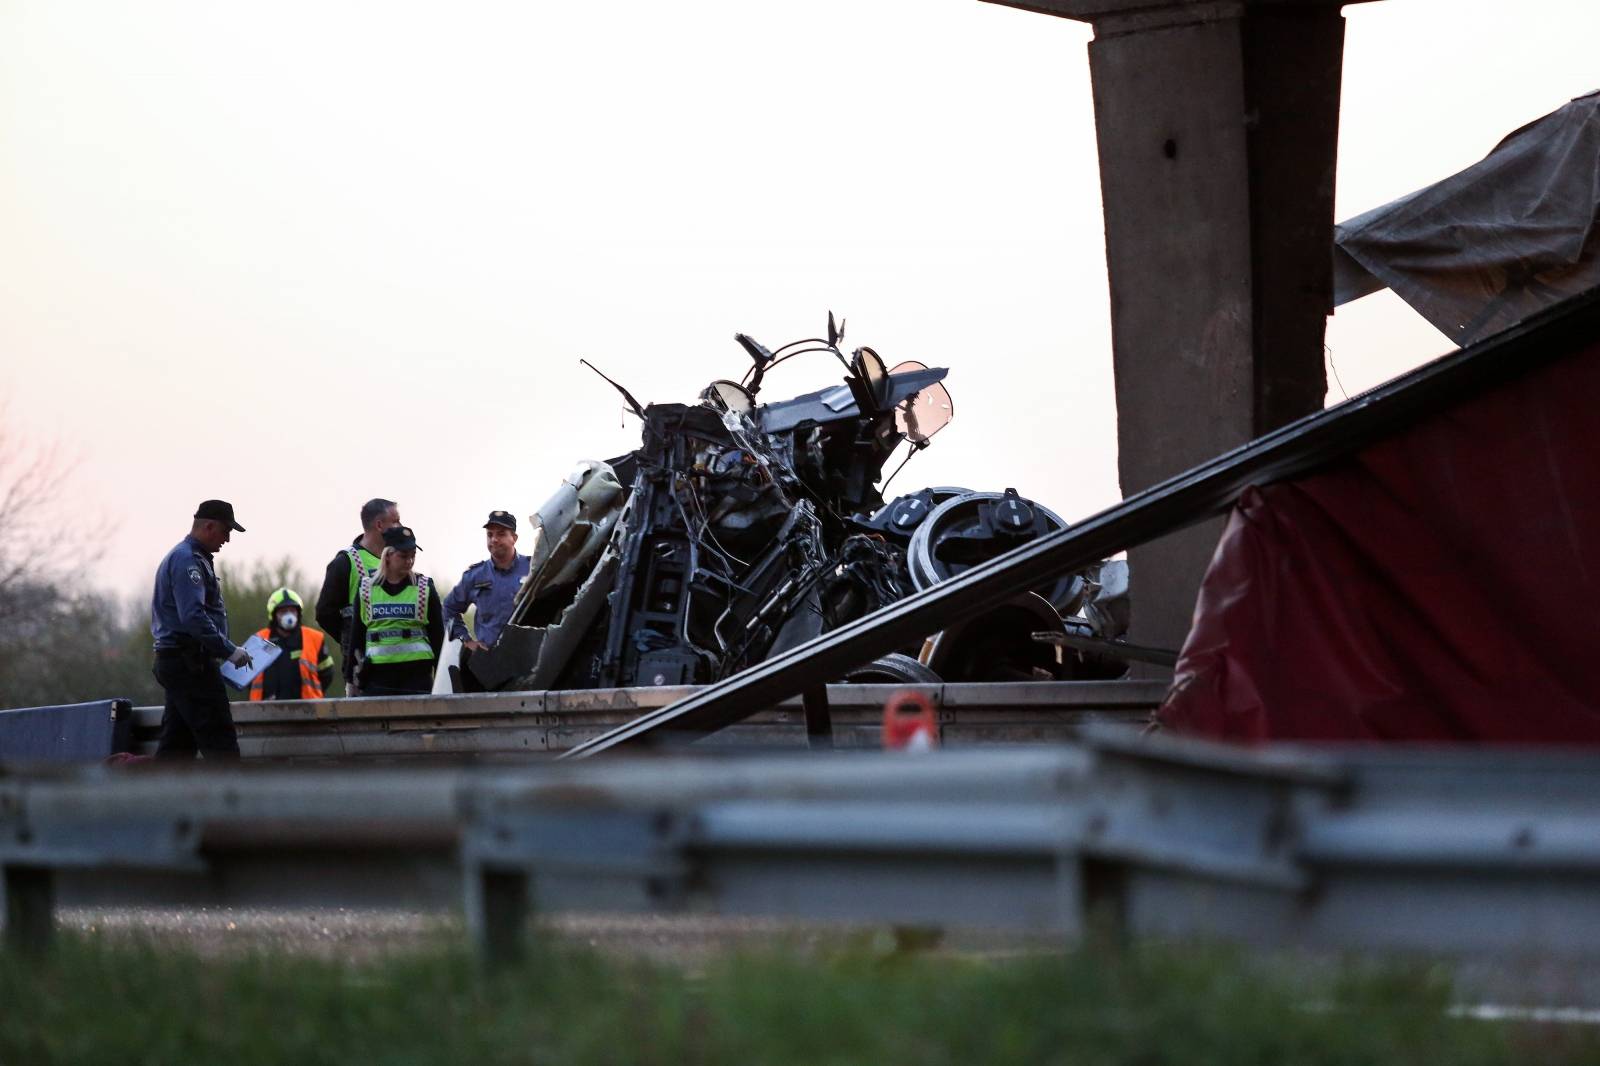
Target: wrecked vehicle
[{"x": 739, "y": 529}]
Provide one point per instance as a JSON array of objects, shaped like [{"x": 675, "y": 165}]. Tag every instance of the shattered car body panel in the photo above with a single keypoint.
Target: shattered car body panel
[
  {"x": 571, "y": 529},
  {"x": 739, "y": 529}
]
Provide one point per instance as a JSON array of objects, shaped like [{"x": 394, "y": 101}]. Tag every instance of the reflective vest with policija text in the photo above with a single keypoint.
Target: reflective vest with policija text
[
  {"x": 397, "y": 625},
  {"x": 310, "y": 656}
]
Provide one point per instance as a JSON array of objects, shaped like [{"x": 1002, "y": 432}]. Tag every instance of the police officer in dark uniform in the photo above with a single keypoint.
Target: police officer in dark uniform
[
  {"x": 190, "y": 626},
  {"x": 492, "y": 585}
]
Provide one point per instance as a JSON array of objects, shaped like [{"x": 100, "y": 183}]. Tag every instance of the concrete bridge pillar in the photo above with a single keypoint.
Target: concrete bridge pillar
[{"x": 1217, "y": 123}]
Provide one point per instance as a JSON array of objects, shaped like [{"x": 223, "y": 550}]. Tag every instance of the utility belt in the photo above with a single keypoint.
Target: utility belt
[
  {"x": 393, "y": 647},
  {"x": 191, "y": 654},
  {"x": 181, "y": 648},
  {"x": 391, "y": 635}
]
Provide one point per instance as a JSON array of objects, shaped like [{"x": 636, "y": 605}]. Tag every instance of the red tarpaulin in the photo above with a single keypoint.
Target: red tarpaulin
[{"x": 1442, "y": 585}]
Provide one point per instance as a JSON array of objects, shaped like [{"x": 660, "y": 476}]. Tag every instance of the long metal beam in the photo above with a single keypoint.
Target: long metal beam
[{"x": 1190, "y": 497}]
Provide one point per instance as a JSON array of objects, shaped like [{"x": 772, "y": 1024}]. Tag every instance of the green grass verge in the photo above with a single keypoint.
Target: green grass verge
[{"x": 114, "y": 1001}]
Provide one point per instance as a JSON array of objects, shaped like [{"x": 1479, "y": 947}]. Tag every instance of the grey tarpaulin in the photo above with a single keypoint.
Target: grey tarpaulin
[
  {"x": 1487, "y": 247},
  {"x": 70, "y": 733}
]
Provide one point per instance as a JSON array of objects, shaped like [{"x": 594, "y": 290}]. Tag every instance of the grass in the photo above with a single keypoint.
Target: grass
[{"x": 99, "y": 1000}]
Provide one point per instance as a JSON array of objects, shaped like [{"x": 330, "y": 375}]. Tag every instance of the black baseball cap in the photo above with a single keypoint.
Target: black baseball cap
[
  {"x": 502, "y": 518},
  {"x": 218, "y": 511},
  {"x": 400, "y": 537}
]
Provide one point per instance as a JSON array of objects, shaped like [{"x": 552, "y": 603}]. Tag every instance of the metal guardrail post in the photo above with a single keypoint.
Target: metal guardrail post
[
  {"x": 520, "y": 852},
  {"x": 499, "y": 925},
  {"x": 30, "y": 908}
]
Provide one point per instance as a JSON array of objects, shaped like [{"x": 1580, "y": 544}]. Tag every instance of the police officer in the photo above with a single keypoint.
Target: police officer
[
  {"x": 399, "y": 624},
  {"x": 336, "y": 603},
  {"x": 190, "y": 626},
  {"x": 491, "y": 584},
  {"x": 305, "y": 669}
]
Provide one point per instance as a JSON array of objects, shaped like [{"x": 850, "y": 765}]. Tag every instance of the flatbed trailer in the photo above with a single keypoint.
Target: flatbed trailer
[{"x": 555, "y": 721}]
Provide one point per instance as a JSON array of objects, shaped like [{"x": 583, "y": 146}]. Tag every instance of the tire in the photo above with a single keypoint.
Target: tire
[{"x": 893, "y": 669}]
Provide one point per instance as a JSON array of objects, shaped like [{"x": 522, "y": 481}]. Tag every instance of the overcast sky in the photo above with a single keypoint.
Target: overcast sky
[{"x": 300, "y": 254}]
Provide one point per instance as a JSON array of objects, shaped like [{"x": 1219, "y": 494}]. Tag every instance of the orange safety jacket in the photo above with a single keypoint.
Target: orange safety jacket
[{"x": 310, "y": 654}]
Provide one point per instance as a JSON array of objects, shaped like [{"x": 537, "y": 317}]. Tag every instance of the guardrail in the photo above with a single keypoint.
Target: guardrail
[
  {"x": 1486, "y": 853},
  {"x": 555, "y": 721}
]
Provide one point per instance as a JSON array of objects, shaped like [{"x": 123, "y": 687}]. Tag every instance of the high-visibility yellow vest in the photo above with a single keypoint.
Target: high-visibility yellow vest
[
  {"x": 397, "y": 625},
  {"x": 362, "y": 563},
  {"x": 310, "y": 656}
]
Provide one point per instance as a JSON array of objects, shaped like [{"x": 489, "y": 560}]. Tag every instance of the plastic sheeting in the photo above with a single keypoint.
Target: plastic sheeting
[
  {"x": 1487, "y": 247},
  {"x": 1444, "y": 585}
]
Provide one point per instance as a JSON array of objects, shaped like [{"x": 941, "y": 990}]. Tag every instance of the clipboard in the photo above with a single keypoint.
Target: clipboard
[{"x": 262, "y": 654}]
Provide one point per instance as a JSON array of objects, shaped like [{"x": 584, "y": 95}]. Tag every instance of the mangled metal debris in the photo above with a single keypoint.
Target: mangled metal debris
[{"x": 739, "y": 529}]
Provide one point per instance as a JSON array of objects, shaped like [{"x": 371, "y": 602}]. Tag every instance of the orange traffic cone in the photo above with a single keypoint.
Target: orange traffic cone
[{"x": 909, "y": 723}]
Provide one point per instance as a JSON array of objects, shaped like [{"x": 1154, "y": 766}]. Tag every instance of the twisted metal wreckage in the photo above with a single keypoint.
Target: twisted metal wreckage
[{"x": 740, "y": 529}]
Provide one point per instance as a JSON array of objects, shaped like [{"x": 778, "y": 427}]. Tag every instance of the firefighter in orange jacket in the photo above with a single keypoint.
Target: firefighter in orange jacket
[{"x": 305, "y": 668}]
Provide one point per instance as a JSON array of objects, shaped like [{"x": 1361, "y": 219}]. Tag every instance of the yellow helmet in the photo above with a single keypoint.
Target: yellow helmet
[{"x": 280, "y": 597}]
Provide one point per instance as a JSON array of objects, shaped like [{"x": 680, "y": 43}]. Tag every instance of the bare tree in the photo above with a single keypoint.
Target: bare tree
[
  {"x": 32, "y": 480},
  {"x": 69, "y": 644}
]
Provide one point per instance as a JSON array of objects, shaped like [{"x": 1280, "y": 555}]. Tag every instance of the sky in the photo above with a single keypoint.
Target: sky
[{"x": 302, "y": 254}]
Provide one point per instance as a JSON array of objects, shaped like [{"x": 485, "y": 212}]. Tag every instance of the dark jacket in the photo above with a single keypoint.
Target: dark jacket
[
  {"x": 186, "y": 607},
  {"x": 335, "y": 594}
]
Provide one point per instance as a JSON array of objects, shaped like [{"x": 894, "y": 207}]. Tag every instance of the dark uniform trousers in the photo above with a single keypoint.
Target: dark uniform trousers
[{"x": 196, "y": 716}]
